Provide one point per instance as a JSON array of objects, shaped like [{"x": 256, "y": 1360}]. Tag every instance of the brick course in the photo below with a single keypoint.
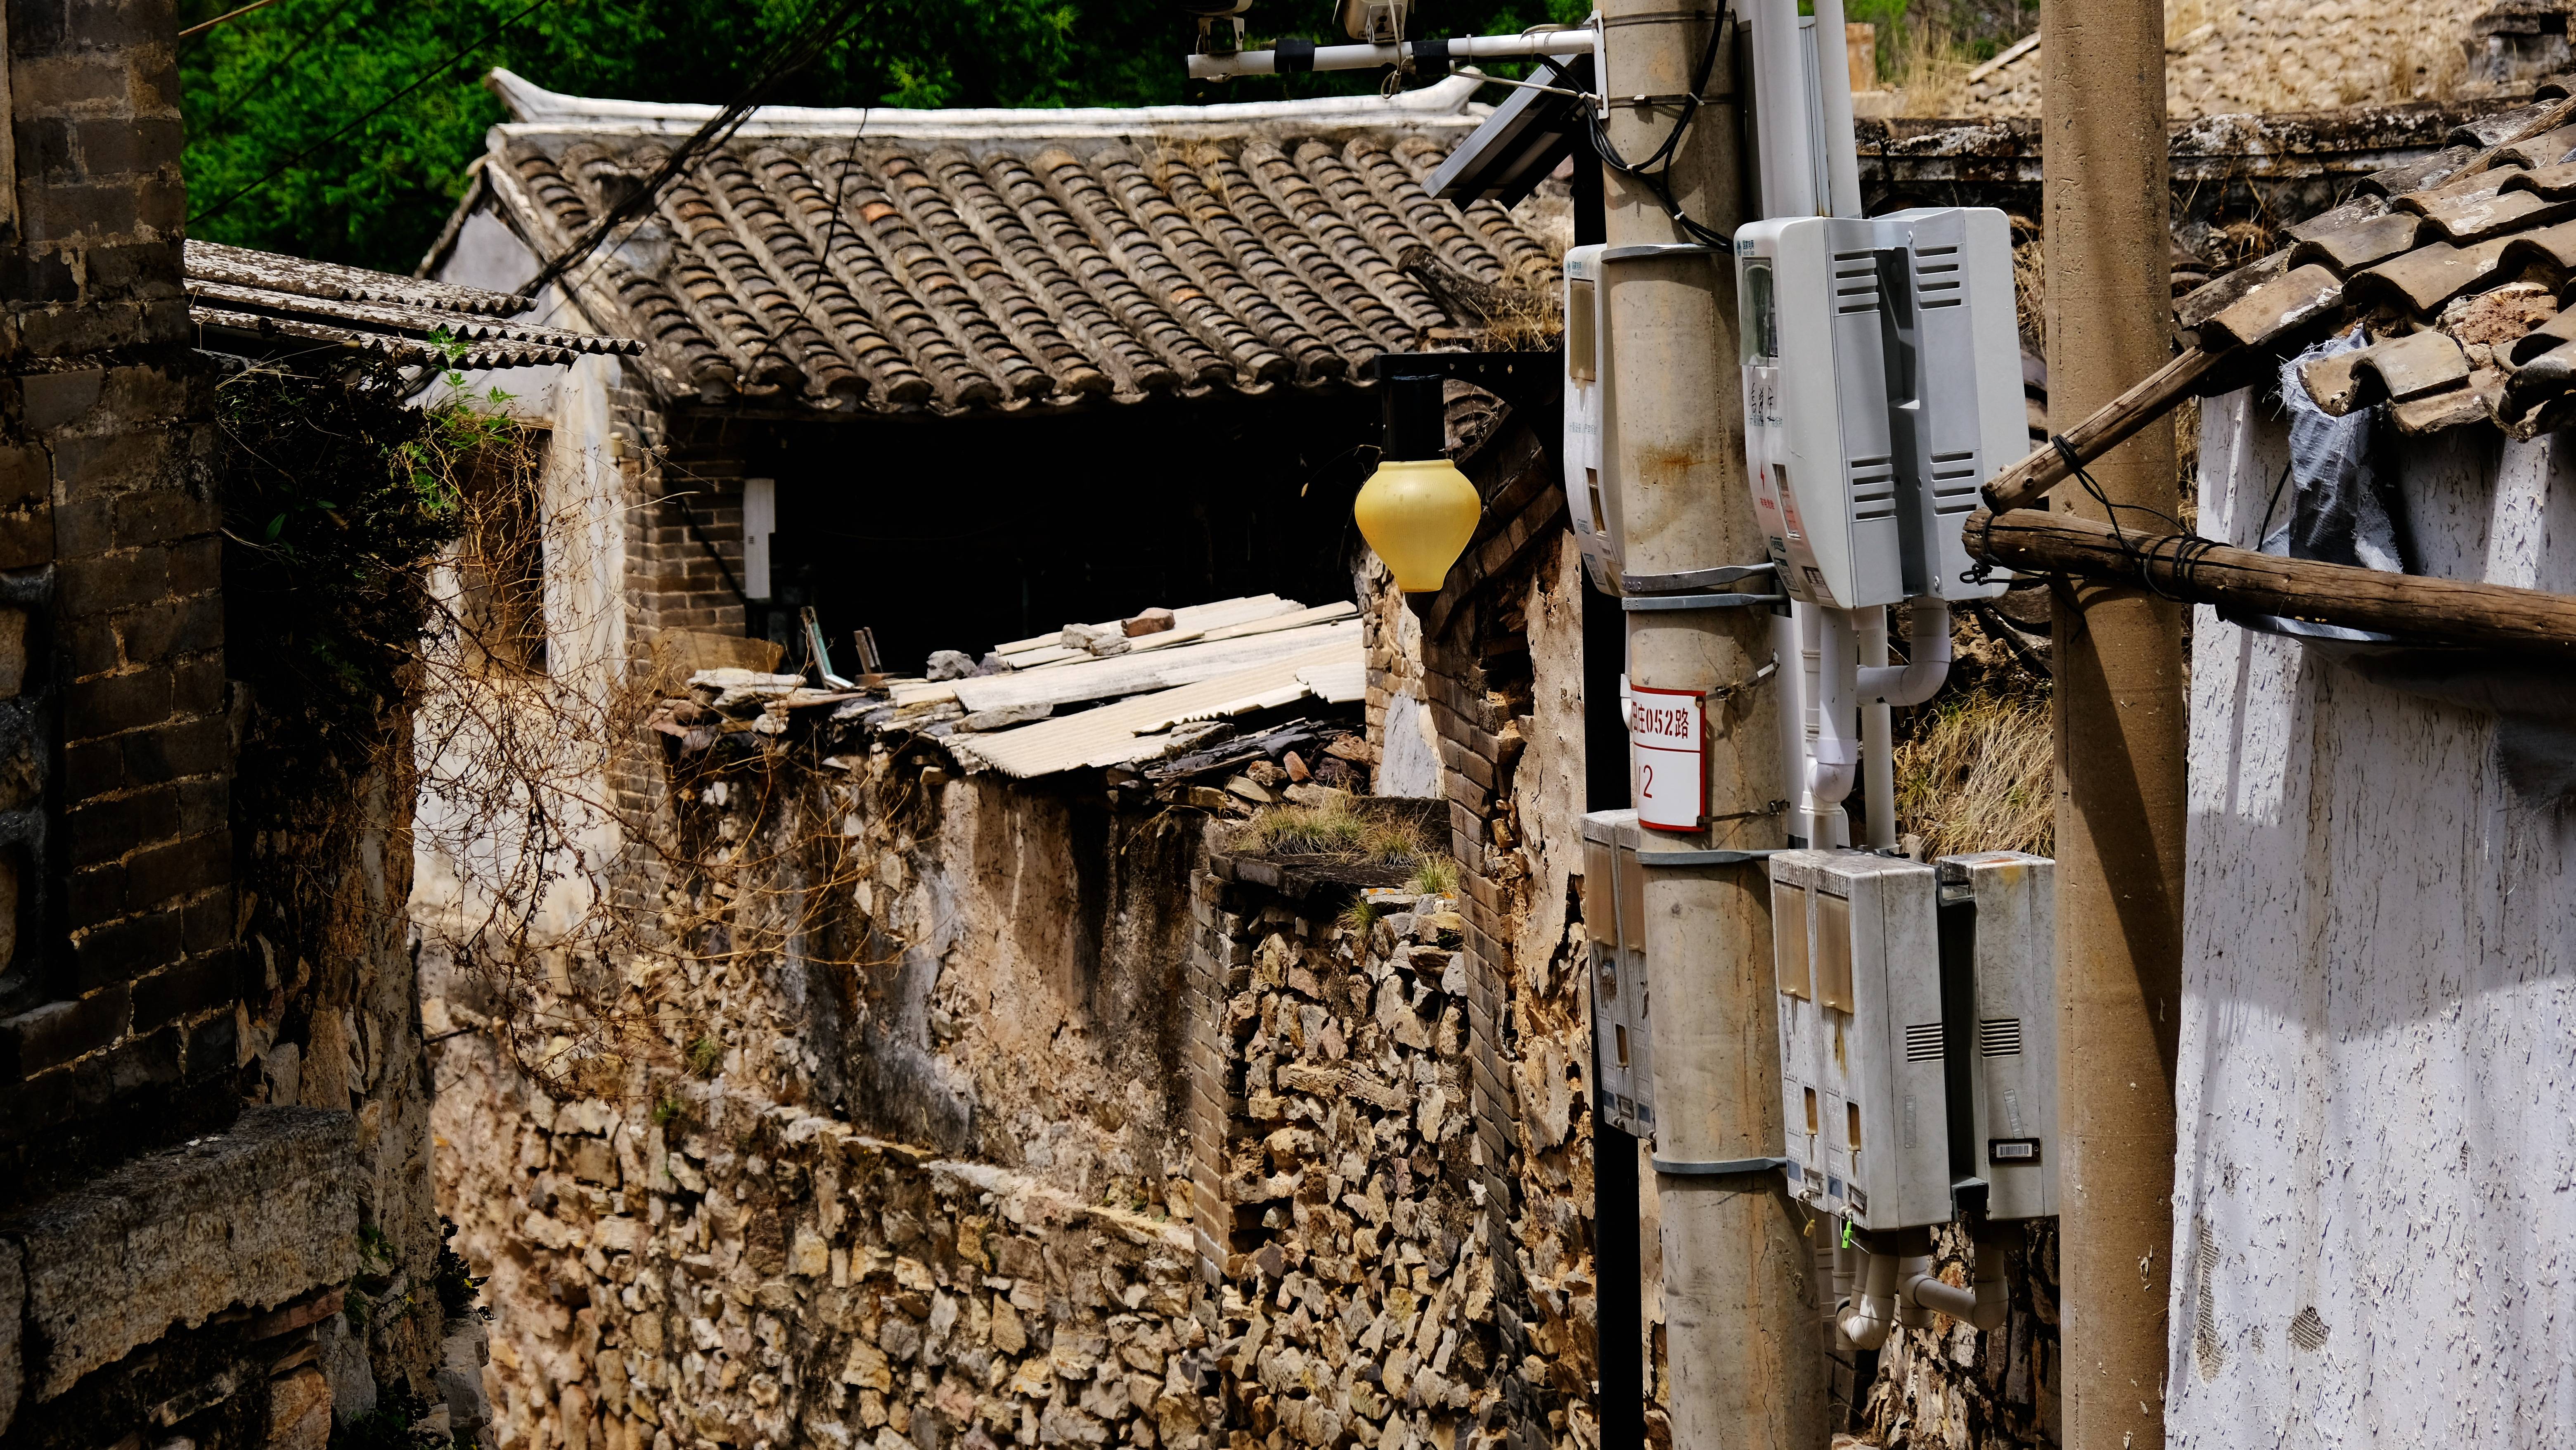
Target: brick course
[{"x": 117, "y": 992}]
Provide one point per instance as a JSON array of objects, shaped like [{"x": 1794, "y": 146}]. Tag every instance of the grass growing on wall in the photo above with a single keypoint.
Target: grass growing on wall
[{"x": 1334, "y": 830}]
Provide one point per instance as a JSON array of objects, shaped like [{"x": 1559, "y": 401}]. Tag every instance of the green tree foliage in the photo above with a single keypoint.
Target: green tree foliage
[{"x": 269, "y": 92}]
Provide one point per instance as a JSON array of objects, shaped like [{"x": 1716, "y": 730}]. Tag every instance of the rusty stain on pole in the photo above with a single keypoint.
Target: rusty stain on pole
[{"x": 2119, "y": 704}]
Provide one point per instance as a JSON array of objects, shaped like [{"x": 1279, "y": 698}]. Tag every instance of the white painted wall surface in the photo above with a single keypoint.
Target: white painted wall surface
[{"x": 2375, "y": 1192}]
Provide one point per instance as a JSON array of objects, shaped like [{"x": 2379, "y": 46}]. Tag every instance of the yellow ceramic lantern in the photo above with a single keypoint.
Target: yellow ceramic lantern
[{"x": 1418, "y": 513}]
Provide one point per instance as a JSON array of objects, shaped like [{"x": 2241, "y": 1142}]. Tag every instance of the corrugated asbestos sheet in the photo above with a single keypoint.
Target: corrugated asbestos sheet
[
  {"x": 1140, "y": 727},
  {"x": 888, "y": 261},
  {"x": 245, "y": 300},
  {"x": 1224, "y": 658}
]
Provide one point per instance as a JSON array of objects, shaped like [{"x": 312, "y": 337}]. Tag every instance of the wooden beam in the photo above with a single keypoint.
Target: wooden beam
[
  {"x": 2105, "y": 430},
  {"x": 2184, "y": 566}
]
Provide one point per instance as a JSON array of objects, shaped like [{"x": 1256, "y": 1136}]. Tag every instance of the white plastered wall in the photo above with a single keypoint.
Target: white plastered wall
[
  {"x": 2375, "y": 1190},
  {"x": 460, "y": 840}
]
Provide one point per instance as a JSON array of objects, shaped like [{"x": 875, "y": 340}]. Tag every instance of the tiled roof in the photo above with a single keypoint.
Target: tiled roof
[
  {"x": 2457, "y": 268},
  {"x": 244, "y": 300},
  {"x": 959, "y": 261}
]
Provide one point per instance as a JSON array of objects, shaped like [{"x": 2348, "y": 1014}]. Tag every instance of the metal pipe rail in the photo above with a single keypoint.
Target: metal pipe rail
[{"x": 1291, "y": 57}]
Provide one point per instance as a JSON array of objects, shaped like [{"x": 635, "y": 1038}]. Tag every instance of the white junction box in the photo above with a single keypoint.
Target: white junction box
[
  {"x": 1816, "y": 421},
  {"x": 1862, "y": 1049},
  {"x": 1882, "y": 388},
  {"x": 1614, "y": 925},
  {"x": 1998, "y": 928},
  {"x": 1954, "y": 378},
  {"x": 1591, "y": 497}
]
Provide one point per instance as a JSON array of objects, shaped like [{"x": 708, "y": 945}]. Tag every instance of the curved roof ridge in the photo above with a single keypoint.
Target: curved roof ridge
[{"x": 1443, "y": 105}]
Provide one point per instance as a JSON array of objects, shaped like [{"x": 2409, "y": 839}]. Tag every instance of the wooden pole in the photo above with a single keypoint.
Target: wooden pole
[
  {"x": 2198, "y": 571},
  {"x": 2119, "y": 718},
  {"x": 2108, "y": 427}
]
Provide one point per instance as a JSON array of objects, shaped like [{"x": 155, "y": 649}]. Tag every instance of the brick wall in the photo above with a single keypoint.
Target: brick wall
[
  {"x": 683, "y": 567},
  {"x": 116, "y": 1000}
]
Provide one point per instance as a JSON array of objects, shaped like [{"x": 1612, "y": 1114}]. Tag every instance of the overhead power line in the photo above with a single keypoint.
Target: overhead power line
[
  {"x": 203, "y": 26},
  {"x": 301, "y": 44},
  {"x": 435, "y": 72},
  {"x": 793, "y": 53}
]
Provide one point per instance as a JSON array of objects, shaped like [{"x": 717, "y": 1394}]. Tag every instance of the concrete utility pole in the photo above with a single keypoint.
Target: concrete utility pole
[
  {"x": 1742, "y": 1330},
  {"x": 2118, "y": 664}
]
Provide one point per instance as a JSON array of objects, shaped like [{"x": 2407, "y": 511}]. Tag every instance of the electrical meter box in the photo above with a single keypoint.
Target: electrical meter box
[
  {"x": 1998, "y": 927},
  {"x": 1817, "y": 438},
  {"x": 1882, "y": 388},
  {"x": 1863, "y": 1069},
  {"x": 1614, "y": 925},
  {"x": 1591, "y": 499},
  {"x": 1954, "y": 381}
]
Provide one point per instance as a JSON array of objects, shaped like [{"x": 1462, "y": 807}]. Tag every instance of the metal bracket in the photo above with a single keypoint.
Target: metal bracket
[
  {"x": 1639, "y": 603},
  {"x": 1647, "y": 250},
  {"x": 1649, "y": 591},
  {"x": 1666, "y": 103},
  {"x": 1704, "y": 858},
  {"x": 1689, "y": 579},
  {"x": 1722, "y": 1168}
]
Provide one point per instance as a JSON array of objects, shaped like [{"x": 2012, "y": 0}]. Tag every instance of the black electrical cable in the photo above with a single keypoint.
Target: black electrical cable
[
  {"x": 2189, "y": 549},
  {"x": 275, "y": 66},
  {"x": 793, "y": 53},
  {"x": 1655, "y": 172},
  {"x": 435, "y": 72}
]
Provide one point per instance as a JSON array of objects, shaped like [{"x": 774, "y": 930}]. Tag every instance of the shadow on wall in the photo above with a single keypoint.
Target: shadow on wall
[{"x": 1046, "y": 916}]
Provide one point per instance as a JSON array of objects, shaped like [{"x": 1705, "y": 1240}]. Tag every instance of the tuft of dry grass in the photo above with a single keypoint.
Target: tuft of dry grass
[
  {"x": 1927, "y": 60},
  {"x": 1977, "y": 772},
  {"x": 1435, "y": 876},
  {"x": 1334, "y": 830}
]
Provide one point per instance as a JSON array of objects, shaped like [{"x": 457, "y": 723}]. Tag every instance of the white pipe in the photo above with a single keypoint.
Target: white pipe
[
  {"x": 1788, "y": 648},
  {"x": 1868, "y": 1317},
  {"x": 1834, "y": 108},
  {"x": 1780, "y": 110},
  {"x": 1877, "y": 738},
  {"x": 1981, "y": 1305},
  {"x": 1927, "y": 645},
  {"x": 1577, "y": 41},
  {"x": 1833, "y": 752}
]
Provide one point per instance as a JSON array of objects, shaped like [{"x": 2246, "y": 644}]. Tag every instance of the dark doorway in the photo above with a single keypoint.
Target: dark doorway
[{"x": 962, "y": 533}]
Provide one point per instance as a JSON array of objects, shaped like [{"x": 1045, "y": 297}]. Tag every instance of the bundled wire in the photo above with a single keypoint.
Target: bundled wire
[
  {"x": 793, "y": 53},
  {"x": 1655, "y": 172},
  {"x": 2188, "y": 548}
]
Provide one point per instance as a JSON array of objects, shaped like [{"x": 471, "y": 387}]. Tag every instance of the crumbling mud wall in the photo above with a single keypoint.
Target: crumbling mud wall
[
  {"x": 931, "y": 1119},
  {"x": 857, "y": 954}
]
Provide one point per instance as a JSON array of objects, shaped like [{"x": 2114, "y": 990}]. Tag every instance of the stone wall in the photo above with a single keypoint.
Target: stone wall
[
  {"x": 2225, "y": 57},
  {"x": 1493, "y": 668},
  {"x": 724, "y": 1268},
  {"x": 1364, "y": 1290},
  {"x": 946, "y": 1044},
  {"x": 961, "y": 965}
]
